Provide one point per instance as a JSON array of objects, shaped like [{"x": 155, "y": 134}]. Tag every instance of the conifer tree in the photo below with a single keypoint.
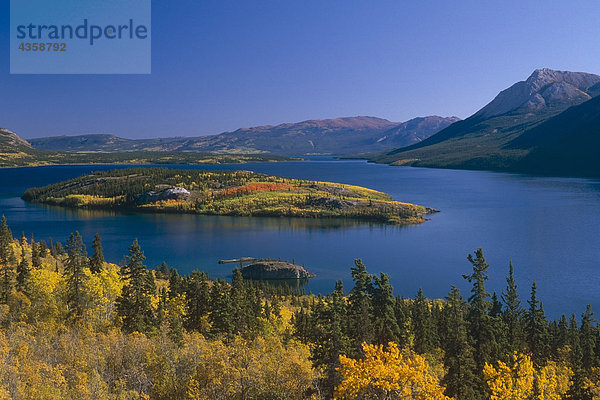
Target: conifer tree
[
  {"x": 360, "y": 311},
  {"x": 588, "y": 338},
  {"x": 329, "y": 336},
  {"x": 422, "y": 324},
  {"x": 222, "y": 309},
  {"x": 402, "y": 314},
  {"x": 175, "y": 283},
  {"x": 51, "y": 247},
  {"x": 513, "y": 312},
  {"x": 496, "y": 308},
  {"x": 198, "y": 297},
  {"x": 36, "y": 258},
  {"x": 97, "y": 259},
  {"x": 134, "y": 306},
  {"x": 7, "y": 262},
  {"x": 561, "y": 339},
  {"x": 384, "y": 321},
  {"x": 76, "y": 262},
  {"x": 536, "y": 329},
  {"x": 481, "y": 327},
  {"x": 23, "y": 270},
  {"x": 578, "y": 390},
  {"x": 245, "y": 302},
  {"x": 164, "y": 270},
  {"x": 461, "y": 378}
]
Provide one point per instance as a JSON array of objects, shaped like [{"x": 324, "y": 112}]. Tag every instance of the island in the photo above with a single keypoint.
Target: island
[
  {"x": 233, "y": 193},
  {"x": 275, "y": 270}
]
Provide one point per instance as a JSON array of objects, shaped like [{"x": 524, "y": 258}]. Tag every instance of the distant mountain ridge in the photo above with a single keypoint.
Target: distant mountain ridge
[
  {"x": 10, "y": 142},
  {"x": 486, "y": 139},
  {"x": 339, "y": 136},
  {"x": 545, "y": 88}
]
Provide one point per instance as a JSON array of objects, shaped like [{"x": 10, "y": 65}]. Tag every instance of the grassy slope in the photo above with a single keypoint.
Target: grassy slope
[
  {"x": 470, "y": 144},
  {"x": 227, "y": 193}
]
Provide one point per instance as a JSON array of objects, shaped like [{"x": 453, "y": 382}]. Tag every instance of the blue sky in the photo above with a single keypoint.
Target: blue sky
[{"x": 221, "y": 65}]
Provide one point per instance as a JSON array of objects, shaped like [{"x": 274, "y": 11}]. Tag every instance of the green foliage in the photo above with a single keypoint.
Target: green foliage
[
  {"x": 75, "y": 276},
  {"x": 461, "y": 380},
  {"x": 536, "y": 329},
  {"x": 135, "y": 303},
  {"x": 24, "y": 270},
  {"x": 384, "y": 321},
  {"x": 513, "y": 313},
  {"x": 97, "y": 260},
  {"x": 7, "y": 262}
]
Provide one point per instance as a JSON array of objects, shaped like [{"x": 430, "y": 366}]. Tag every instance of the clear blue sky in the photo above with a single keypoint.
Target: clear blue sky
[{"x": 220, "y": 65}]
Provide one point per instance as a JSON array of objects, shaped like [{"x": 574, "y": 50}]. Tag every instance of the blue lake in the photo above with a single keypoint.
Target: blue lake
[{"x": 550, "y": 227}]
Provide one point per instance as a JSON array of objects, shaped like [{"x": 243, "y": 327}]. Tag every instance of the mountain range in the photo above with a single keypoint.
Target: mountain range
[
  {"x": 340, "y": 136},
  {"x": 546, "y": 124},
  {"x": 541, "y": 125}
]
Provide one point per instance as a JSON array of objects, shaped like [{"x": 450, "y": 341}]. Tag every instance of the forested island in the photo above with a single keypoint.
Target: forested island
[
  {"x": 237, "y": 193},
  {"x": 73, "y": 325}
]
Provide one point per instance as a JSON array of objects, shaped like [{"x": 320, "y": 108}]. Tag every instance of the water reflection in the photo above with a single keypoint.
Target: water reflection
[{"x": 550, "y": 227}]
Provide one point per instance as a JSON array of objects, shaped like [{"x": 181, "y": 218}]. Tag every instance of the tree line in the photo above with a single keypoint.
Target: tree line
[{"x": 74, "y": 325}]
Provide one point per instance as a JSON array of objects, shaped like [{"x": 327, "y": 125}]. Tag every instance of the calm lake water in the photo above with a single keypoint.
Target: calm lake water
[{"x": 550, "y": 227}]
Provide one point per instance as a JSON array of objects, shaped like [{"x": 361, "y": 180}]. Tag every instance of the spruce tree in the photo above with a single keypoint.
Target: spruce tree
[
  {"x": 164, "y": 270},
  {"x": 222, "y": 310},
  {"x": 51, "y": 247},
  {"x": 36, "y": 258},
  {"x": 7, "y": 262},
  {"x": 513, "y": 312},
  {"x": 134, "y": 305},
  {"x": 175, "y": 283},
  {"x": 23, "y": 270},
  {"x": 422, "y": 324},
  {"x": 198, "y": 301},
  {"x": 384, "y": 320},
  {"x": 329, "y": 337},
  {"x": 75, "y": 276},
  {"x": 481, "y": 327},
  {"x": 402, "y": 314},
  {"x": 496, "y": 309},
  {"x": 360, "y": 311},
  {"x": 561, "y": 339},
  {"x": 461, "y": 378},
  {"x": 578, "y": 390},
  {"x": 536, "y": 329},
  {"x": 588, "y": 339},
  {"x": 97, "y": 259}
]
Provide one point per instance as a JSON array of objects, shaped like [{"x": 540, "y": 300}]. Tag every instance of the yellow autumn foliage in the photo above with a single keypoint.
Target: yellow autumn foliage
[
  {"x": 592, "y": 383},
  {"x": 520, "y": 380},
  {"x": 258, "y": 369},
  {"x": 388, "y": 374}
]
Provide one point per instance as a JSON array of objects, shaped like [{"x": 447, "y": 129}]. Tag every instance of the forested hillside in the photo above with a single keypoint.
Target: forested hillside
[{"x": 74, "y": 326}]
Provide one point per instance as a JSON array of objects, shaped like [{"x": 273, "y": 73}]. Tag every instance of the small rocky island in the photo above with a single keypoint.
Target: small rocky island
[
  {"x": 233, "y": 193},
  {"x": 275, "y": 270}
]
